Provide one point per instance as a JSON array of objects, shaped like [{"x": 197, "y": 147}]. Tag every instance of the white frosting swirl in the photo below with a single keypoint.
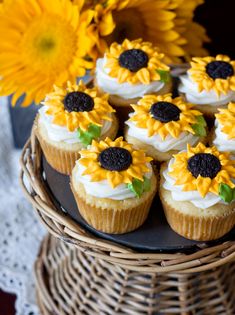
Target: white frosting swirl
[
  {"x": 194, "y": 197},
  {"x": 221, "y": 140},
  {"x": 102, "y": 189},
  {"x": 169, "y": 143},
  {"x": 125, "y": 90},
  {"x": 59, "y": 133},
  {"x": 190, "y": 89}
]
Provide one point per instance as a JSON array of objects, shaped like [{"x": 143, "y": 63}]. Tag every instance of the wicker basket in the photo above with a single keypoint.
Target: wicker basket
[
  {"x": 101, "y": 277},
  {"x": 70, "y": 281}
]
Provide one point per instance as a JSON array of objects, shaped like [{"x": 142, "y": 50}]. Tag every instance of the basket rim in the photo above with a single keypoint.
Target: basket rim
[{"x": 66, "y": 229}]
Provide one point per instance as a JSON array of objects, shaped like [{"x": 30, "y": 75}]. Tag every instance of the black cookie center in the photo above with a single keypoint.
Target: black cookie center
[
  {"x": 115, "y": 159},
  {"x": 133, "y": 59},
  {"x": 165, "y": 112},
  {"x": 204, "y": 164},
  {"x": 78, "y": 102},
  {"x": 219, "y": 70}
]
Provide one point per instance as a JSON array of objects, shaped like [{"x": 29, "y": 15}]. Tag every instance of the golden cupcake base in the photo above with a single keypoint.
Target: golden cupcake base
[{"x": 113, "y": 216}]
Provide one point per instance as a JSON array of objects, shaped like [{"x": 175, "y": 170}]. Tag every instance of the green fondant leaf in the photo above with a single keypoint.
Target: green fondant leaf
[
  {"x": 201, "y": 120},
  {"x": 147, "y": 184},
  {"x": 138, "y": 187},
  {"x": 94, "y": 131},
  {"x": 226, "y": 193},
  {"x": 200, "y": 126},
  {"x": 164, "y": 75},
  {"x": 86, "y": 137}
]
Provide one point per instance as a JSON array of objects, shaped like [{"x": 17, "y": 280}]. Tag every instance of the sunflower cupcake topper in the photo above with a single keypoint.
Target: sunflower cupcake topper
[
  {"x": 165, "y": 115},
  {"x": 136, "y": 62},
  {"x": 226, "y": 118},
  {"x": 79, "y": 108},
  {"x": 213, "y": 73},
  {"x": 205, "y": 170},
  {"x": 118, "y": 163}
]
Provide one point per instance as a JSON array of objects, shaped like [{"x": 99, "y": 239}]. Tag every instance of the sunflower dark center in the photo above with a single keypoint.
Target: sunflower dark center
[
  {"x": 219, "y": 70},
  {"x": 204, "y": 164},
  {"x": 133, "y": 59},
  {"x": 78, "y": 102},
  {"x": 165, "y": 112},
  {"x": 115, "y": 159}
]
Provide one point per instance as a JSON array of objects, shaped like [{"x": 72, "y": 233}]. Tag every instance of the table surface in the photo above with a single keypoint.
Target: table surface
[{"x": 7, "y": 303}]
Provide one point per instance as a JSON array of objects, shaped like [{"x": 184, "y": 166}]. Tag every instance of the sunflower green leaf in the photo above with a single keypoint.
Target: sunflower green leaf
[
  {"x": 200, "y": 126},
  {"x": 226, "y": 193},
  {"x": 86, "y": 137},
  {"x": 164, "y": 75},
  {"x": 138, "y": 187}
]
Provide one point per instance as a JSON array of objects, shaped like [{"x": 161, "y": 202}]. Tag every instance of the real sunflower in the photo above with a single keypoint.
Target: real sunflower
[
  {"x": 77, "y": 119},
  {"x": 151, "y": 71},
  {"x": 42, "y": 43},
  {"x": 193, "y": 32},
  {"x": 143, "y": 117},
  {"x": 226, "y": 118},
  {"x": 211, "y": 159},
  {"x": 213, "y": 73},
  {"x": 136, "y": 170},
  {"x": 153, "y": 21}
]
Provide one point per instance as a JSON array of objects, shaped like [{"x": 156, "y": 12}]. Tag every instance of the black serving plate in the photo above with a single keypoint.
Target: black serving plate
[{"x": 154, "y": 235}]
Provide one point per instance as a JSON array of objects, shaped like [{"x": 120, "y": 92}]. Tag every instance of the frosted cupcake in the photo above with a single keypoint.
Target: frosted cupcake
[
  {"x": 224, "y": 132},
  {"x": 209, "y": 83},
  {"x": 113, "y": 185},
  {"x": 69, "y": 120},
  {"x": 162, "y": 125},
  {"x": 197, "y": 192},
  {"x": 130, "y": 70}
]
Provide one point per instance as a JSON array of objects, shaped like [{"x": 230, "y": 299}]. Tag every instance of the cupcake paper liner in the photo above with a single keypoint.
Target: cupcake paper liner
[
  {"x": 198, "y": 228},
  {"x": 61, "y": 160},
  {"x": 114, "y": 221}
]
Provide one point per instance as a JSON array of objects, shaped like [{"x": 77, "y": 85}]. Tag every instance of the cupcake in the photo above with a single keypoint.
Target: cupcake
[
  {"x": 209, "y": 83},
  {"x": 130, "y": 70},
  {"x": 162, "y": 126},
  {"x": 69, "y": 120},
  {"x": 197, "y": 193},
  {"x": 224, "y": 132},
  {"x": 113, "y": 185}
]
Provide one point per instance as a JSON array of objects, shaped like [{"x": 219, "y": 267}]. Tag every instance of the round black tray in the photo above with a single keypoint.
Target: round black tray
[{"x": 154, "y": 235}]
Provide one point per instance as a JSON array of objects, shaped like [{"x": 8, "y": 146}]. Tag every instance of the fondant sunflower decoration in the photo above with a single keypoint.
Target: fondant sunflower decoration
[
  {"x": 115, "y": 161},
  {"x": 204, "y": 169},
  {"x": 42, "y": 43},
  {"x": 213, "y": 73},
  {"x": 78, "y": 108},
  {"x": 226, "y": 118},
  {"x": 165, "y": 115},
  {"x": 136, "y": 62}
]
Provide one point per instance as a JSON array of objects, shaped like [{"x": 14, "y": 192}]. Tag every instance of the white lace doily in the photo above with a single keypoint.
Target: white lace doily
[{"x": 20, "y": 231}]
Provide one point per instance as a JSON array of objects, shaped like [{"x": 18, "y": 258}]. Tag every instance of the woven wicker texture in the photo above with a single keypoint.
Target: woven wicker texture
[
  {"x": 71, "y": 282},
  {"x": 63, "y": 227}
]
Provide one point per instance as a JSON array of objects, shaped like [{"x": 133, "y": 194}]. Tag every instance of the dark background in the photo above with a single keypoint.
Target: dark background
[{"x": 218, "y": 17}]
